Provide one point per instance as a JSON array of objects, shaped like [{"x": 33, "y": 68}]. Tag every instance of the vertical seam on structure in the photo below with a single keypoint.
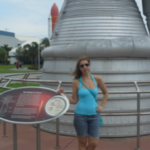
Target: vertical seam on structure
[
  {"x": 52, "y": 52},
  {"x": 66, "y": 50},
  {"x": 132, "y": 52},
  {"x": 86, "y": 48},
  {"x": 110, "y": 48}
]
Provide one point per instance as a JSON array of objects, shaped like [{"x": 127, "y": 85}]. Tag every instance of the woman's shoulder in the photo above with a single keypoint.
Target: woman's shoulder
[
  {"x": 75, "y": 82},
  {"x": 97, "y": 77}
]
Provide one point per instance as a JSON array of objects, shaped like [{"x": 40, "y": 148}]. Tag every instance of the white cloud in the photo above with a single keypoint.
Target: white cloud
[
  {"x": 26, "y": 17},
  {"x": 28, "y": 26}
]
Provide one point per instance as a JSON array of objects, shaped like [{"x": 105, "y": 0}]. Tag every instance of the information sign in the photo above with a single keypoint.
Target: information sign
[{"x": 32, "y": 105}]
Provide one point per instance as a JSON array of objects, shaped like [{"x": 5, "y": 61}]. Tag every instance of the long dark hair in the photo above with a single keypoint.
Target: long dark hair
[{"x": 77, "y": 73}]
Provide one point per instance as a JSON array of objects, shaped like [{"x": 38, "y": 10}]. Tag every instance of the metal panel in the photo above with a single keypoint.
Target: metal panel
[
  {"x": 110, "y": 70},
  {"x": 77, "y": 14},
  {"x": 121, "y": 47},
  {"x": 113, "y": 35}
]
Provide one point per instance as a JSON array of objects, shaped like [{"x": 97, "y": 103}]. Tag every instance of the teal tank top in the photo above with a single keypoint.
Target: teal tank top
[{"x": 87, "y": 104}]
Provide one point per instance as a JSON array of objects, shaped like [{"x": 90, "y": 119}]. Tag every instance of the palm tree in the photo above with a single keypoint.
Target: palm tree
[
  {"x": 31, "y": 51},
  {"x": 19, "y": 54},
  {"x": 3, "y": 55},
  {"x": 44, "y": 43},
  {"x": 7, "y": 49}
]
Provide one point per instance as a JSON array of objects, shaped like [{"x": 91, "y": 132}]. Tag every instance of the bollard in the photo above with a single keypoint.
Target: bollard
[
  {"x": 138, "y": 122},
  {"x": 14, "y": 137},
  {"x": 38, "y": 137},
  {"x": 4, "y": 130},
  {"x": 57, "y": 134}
]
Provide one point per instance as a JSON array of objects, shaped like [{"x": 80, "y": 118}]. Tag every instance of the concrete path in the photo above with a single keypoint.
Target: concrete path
[
  {"x": 19, "y": 76},
  {"x": 22, "y": 69},
  {"x": 26, "y": 139},
  {"x": 2, "y": 74}
]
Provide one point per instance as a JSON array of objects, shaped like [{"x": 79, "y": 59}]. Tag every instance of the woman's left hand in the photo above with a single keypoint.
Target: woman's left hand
[{"x": 99, "y": 109}]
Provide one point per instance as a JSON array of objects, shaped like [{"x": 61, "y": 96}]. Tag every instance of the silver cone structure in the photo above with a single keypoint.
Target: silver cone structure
[{"x": 113, "y": 35}]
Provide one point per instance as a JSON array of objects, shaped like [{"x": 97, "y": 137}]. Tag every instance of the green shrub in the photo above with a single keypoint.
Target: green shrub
[
  {"x": 34, "y": 67},
  {"x": 7, "y": 62}
]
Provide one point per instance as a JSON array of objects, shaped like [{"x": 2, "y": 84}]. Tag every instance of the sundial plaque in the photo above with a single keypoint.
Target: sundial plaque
[{"x": 32, "y": 105}]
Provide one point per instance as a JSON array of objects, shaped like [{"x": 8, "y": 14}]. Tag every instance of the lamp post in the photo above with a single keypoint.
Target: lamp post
[{"x": 39, "y": 58}]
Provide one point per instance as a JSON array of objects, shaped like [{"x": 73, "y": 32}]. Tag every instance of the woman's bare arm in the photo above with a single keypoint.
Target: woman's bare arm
[
  {"x": 74, "y": 98},
  {"x": 103, "y": 88}
]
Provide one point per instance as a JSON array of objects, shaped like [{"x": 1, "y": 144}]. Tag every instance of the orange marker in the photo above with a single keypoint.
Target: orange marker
[{"x": 54, "y": 14}]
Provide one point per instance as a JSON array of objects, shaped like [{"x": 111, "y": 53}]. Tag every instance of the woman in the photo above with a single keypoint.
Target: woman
[
  {"x": 84, "y": 91},
  {"x": 17, "y": 64}
]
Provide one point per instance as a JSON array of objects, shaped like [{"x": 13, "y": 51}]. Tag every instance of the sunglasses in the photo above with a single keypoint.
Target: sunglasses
[{"x": 81, "y": 66}]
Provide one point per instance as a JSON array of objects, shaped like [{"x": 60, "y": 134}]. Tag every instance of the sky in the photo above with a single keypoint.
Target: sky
[{"x": 29, "y": 17}]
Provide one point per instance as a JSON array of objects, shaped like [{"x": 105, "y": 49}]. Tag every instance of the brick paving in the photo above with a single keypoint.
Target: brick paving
[{"x": 26, "y": 140}]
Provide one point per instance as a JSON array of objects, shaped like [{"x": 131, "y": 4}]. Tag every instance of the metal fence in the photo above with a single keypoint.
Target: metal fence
[{"x": 25, "y": 78}]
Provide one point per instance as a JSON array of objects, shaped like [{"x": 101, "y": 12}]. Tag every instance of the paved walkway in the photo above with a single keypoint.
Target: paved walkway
[
  {"x": 26, "y": 139},
  {"x": 22, "y": 69}
]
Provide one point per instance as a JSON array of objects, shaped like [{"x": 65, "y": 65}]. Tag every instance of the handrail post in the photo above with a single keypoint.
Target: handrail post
[
  {"x": 4, "y": 129},
  {"x": 7, "y": 82},
  {"x": 57, "y": 134},
  {"x": 25, "y": 77},
  {"x": 14, "y": 137},
  {"x": 38, "y": 137},
  {"x": 59, "y": 85},
  {"x": 23, "y": 83},
  {"x": 138, "y": 121}
]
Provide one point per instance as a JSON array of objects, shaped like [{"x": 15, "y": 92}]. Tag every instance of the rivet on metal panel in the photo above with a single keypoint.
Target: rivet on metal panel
[{"x": 56, "y": 33}]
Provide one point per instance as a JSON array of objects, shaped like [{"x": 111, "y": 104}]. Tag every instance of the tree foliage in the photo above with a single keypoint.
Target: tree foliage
[
  {"x": 3, "y": 55},
  {"x": 19, "y": 53},
  {"x": 30, "y": 51},
  {"x": 44, "y": 43},
  {"x": 7, "y": 48}
]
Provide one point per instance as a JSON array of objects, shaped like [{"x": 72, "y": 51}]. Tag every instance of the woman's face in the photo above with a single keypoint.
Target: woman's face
[{"x": 84, "y": 66}]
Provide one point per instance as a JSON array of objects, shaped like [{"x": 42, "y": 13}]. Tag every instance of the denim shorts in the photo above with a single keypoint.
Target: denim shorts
[{"x": 87, "y": 125}]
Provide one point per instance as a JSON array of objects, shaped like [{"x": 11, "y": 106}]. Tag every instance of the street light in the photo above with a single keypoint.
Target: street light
[{"x": 39, "y": 58}]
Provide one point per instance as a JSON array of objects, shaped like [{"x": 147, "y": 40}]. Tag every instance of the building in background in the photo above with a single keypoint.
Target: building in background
[
  {"x": 52, "y": 19},
  {"x": 9, "y": 39},
  {"x": 54, "y": 14},
  {"x": 49, "y": 26}
]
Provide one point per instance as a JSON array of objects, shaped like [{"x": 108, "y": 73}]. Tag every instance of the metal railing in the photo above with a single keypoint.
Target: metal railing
[{"x": 26, "y": 79}]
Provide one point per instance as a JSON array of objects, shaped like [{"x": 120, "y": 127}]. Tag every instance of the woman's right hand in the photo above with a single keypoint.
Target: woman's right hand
[{"x": 61, "y": 91}]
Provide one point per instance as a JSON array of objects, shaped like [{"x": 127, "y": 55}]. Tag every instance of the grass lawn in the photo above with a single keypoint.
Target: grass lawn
[
  {"x": 5, "y": 69},
  {"x": 17, "y": 85}
]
